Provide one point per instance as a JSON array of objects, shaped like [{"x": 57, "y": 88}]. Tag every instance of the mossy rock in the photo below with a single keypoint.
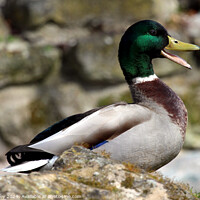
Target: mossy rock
[
  {"x": 26, "y": 14},
  {"x": 94, "y": 60},
  {"x": 82, "y": 173},
  {"x": 22, "y": 64}
]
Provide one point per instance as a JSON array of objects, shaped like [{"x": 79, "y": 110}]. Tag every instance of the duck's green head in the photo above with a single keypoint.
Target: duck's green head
[{"x": 144, "y": 41}]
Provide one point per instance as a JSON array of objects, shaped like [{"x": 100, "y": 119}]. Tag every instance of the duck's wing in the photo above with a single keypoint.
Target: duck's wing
[
  {"x": 22, "y": 153},
  {"x": 93, "y": 128},
  {"x": 96, "y": 128},
  {"x": 63, "y": 124}
]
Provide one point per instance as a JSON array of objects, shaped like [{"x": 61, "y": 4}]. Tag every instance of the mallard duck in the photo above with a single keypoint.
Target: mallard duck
[{"x": 148, "y": 133}]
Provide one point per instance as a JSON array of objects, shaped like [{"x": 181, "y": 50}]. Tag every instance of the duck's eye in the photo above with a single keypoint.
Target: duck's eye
[{"x": 153, "y": 32}]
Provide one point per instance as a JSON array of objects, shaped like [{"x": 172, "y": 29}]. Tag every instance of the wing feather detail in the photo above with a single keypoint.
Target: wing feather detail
[{"x": 103, "y": 124}]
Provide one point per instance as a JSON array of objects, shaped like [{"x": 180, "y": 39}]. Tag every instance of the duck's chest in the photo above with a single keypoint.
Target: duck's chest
[
  {"x": 149, "y": 145},
  {"x": 157, "y": 96},
  {"x": 158, "y": 140}
]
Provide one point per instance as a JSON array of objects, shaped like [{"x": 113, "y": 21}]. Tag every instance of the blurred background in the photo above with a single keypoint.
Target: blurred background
[{"x": 58, "y": 58}]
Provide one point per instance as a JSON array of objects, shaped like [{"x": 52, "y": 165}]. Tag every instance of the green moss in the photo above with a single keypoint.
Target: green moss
[
  {"x": 47, "y": 48},
  {"x": 11, "y": 38},
  {"x": 175, "y": 191},
  {"x": 132, "y": 168},
  {"x": 128, "y": 182},
  {"x": 67, "y": 188},
  {"x": 157, "y": 177},
  {"x": 195, "y": 194},
  {"x": 93, "y": 182},
  {"x": 105, "y": 154}
]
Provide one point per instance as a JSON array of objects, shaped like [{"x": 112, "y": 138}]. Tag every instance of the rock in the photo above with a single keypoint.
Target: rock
[
  {"x": 84, "y": 174},
  {"x": 29, "y": 109},
  {"x": 71, "y": 99},
  {"x": 28, "y": 14},
  {"x": 25, "y": 111},
  {"x": 78, "y": 12},
  {"x": 191, "y": 25},
  {"x": 4, "y": 29},
  {"x": 24, "y": 14},
  {"x": 163, "y": 10},
  {"x": 48, "y": 35},
  {"x": 22, "y": 64},
  {"x": 94, "y": 60},
  {"x": 14, "y": 102}
]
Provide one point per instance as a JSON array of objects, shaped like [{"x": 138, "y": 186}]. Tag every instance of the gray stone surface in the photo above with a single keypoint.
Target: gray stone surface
[
  {"x": 82, "y": 173},
  {"x": 28, "y": 14},
  {"x": 22, "y": 63}
]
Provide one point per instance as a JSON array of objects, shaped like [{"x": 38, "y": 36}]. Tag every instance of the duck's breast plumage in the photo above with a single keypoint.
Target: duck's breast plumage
[{"x": 149, "y": 145}]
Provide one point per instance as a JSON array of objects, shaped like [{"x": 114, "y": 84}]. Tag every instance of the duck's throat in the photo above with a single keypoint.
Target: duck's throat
[{"x": 158, "y": 97}]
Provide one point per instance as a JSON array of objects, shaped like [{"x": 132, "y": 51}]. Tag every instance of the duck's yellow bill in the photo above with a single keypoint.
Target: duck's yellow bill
[{"x": 177, "y": 45}]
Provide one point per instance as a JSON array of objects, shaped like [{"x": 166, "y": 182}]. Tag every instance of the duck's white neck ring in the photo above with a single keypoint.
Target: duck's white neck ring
[{"x": 144, "y": 79}]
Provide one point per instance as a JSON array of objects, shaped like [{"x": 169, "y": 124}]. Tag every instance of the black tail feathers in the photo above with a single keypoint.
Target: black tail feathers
[{"x": 24, "y": 153}]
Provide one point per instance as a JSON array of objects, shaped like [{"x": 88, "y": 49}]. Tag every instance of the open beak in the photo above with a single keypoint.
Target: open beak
[{"x": 177, "y": 45}]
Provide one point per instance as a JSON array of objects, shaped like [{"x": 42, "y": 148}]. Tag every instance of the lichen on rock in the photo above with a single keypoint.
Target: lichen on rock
[{"x": 82, "y": 174}]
